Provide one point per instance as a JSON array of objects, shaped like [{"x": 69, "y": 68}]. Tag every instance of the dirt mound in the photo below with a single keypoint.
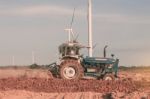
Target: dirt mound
[{"x": 57, "y": 85}]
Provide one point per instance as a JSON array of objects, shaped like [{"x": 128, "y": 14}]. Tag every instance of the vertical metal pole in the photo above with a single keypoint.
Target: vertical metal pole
[
  {"x": 90, "y": 28},
  {"x": 69, "y": 35},
  {"x": 13, "y": 60},
  {"x": 33, "y": 58}
]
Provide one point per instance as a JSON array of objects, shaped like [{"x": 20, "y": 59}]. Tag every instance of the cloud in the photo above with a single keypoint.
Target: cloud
[
  {"x": 46, "y": 10},
  {"x": 122, "y": 18},
  {"x": 37, "y": 10}
]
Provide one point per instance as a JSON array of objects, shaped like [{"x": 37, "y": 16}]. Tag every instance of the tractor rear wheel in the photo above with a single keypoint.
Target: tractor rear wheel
[
  {"x": 109, "y": 77},
  {"x": 71, "y": 69}
]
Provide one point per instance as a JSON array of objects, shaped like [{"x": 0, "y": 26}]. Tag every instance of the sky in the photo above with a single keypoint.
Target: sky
[{"x": 38, "y": 25}]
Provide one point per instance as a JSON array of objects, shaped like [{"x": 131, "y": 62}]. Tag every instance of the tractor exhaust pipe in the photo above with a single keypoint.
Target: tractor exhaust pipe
[
  {"x": 105, "y": 51},
  {"x": 90, "y": 50}
]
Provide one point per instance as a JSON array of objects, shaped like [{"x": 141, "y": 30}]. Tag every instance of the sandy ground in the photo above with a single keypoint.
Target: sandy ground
[
  {"x": 19, "y": 94},
  {"x": 142, "y": 77},
  {"x": 136, "y": 75},
  {"x": 40, "y": 73},
  {"x": 22, "y": 94}
]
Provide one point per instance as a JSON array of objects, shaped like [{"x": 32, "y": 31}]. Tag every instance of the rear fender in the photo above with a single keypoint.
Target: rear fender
[{"x": 53, "y": 68}]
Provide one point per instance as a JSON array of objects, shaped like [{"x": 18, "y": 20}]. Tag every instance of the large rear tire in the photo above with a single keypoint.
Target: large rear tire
[{"x": 71, "y": 69}]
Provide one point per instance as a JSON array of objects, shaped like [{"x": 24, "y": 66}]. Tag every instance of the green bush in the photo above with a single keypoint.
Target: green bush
[{"x": 34, "y": 66}]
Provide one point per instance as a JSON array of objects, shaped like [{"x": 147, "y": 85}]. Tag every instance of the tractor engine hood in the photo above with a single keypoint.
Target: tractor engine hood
[{"x": 98, "y": 60}]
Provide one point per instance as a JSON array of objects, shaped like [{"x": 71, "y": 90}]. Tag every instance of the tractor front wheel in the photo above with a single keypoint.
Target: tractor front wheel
[
  {"x": 71, "y": 69},
  {"x": 108, "y": 77}
]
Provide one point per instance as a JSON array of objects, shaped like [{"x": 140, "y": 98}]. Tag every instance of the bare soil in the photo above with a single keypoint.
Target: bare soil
[{"x": 17, "y": 83}]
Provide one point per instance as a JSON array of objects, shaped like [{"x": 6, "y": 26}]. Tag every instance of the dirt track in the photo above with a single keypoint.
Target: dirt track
[{"x": 20, "y": 94}]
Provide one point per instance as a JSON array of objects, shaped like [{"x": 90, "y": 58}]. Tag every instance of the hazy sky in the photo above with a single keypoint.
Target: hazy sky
[{"x": 38, "y": 25}]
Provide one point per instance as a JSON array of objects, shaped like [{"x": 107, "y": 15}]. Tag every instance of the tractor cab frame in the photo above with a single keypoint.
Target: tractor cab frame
[{"x": 70, "y": 50}]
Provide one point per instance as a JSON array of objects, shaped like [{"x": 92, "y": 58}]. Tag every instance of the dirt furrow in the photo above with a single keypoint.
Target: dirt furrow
[{"x": 58, "y": 85}]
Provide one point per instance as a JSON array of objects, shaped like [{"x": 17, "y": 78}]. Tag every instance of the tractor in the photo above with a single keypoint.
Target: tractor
[{"x": 73, "y": 65}]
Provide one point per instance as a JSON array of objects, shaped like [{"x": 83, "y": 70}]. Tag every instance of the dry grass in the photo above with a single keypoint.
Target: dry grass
[{"x": 135, "y": 69}]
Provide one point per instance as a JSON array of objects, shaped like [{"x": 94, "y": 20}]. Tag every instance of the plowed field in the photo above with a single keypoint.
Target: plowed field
[{"x": 39, "y": 84}]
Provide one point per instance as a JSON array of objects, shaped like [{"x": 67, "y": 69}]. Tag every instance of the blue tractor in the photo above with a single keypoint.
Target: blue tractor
[{"x": 72, "y": 65}]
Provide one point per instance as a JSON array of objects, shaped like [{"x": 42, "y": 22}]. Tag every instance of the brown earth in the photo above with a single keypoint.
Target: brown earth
[
  {"x": 39, "y": 84},
  {"x": 57, "y": 85}
]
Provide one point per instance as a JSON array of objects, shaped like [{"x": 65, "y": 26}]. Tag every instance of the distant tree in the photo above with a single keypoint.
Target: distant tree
[{"x": 34, "y": 66}]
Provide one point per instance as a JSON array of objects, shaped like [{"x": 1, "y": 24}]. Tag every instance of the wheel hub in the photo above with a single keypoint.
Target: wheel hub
[
  {"x": 108, "y": 78},
  {"x": 69, "y": 72}
]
